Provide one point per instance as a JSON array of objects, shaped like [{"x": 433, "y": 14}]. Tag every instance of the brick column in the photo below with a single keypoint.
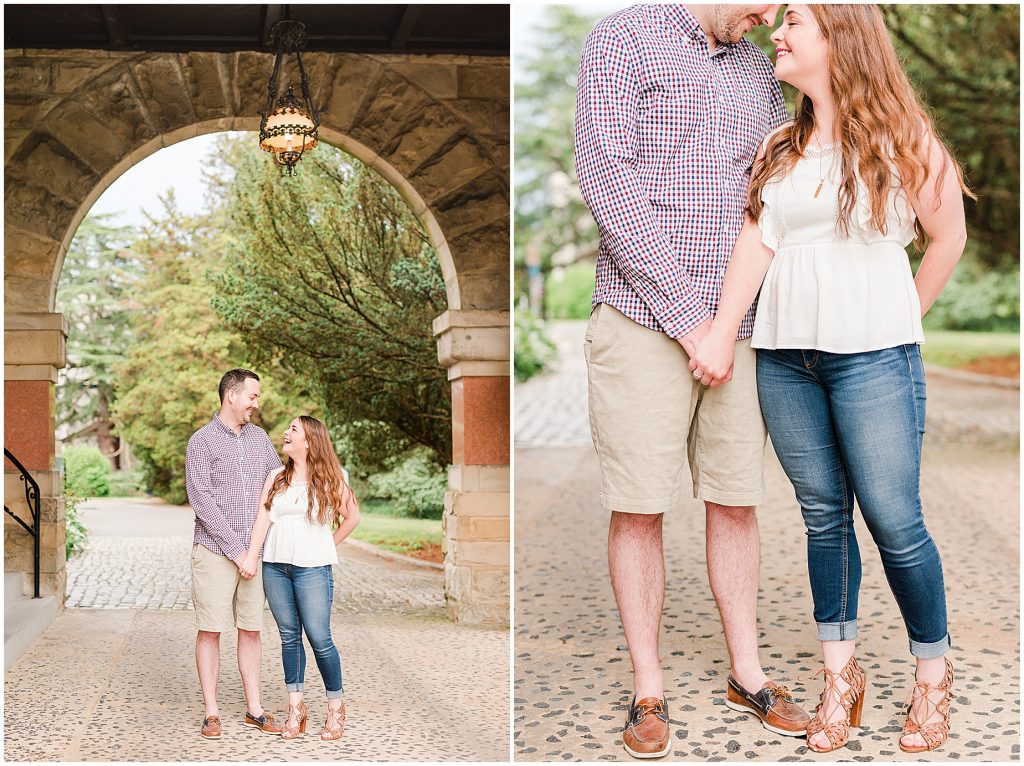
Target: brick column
[
  {"x": 34, "y": 349},
  {"x": 474, "y": 346}
]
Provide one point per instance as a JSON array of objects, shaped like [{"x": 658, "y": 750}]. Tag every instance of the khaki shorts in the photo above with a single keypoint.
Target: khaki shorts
[
  {"x": 647, "y": 413},
  {"x": 222, "y": 597}
]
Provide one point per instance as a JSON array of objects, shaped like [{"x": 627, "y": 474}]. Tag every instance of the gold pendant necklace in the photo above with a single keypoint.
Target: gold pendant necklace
[{"x": 821, "y": 179}]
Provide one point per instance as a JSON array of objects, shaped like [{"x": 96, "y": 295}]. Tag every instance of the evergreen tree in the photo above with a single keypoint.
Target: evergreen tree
[{"x": 99, "y": 274}]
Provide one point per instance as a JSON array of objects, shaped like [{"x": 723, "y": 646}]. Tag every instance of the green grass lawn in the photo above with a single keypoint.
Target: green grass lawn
[
  {"x": 949, "y": 348},
  {"x": 395, "y": 533}
]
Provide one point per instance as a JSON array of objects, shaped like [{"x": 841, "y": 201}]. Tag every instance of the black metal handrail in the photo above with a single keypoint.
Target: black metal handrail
[{"x": 32, "y": 498}]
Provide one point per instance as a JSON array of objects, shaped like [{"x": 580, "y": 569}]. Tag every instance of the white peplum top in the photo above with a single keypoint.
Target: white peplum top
[
  {"x": 292, "y": 538},
  {"x": 828, "y": 292}
]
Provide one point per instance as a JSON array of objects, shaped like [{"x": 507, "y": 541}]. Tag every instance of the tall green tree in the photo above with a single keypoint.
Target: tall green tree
[
  {"x": 332, "y": 276},
  {"x": 167, "y": 384},
  {"x": 965, "y": 62},
  {"x": 95, "y": 295},
  {"x": 550, "y": 214}
]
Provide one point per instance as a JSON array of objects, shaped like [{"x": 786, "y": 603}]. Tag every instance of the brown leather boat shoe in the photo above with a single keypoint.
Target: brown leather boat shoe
[
  {"x": 646, "y": 732},
  {"x": 211, "y": 727},
  {"x": 773, "y": 704},
  {"x": 264, "y": 723}
]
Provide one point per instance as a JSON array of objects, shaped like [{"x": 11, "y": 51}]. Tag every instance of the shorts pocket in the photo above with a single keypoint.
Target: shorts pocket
[{"x": 592, "y": 323}]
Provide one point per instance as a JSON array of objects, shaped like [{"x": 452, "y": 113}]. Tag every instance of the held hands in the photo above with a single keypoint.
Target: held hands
[
  {"x": 711, "y": 361},
  {"x": 692, "y": 339},
  {"x": 246, "y": 564}
]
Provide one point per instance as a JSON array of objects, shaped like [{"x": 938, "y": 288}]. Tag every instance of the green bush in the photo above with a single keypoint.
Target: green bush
[
  {"x": 77, "y": 535},
  {"x": 985, "y": 301},
  {"x": 86, "y": 472},
  {"x": 127, "y": 483},
  {"x": 534, "y": 350},
  {"x": 569, "y": 292},
  {"x": 415, "y": 487}
]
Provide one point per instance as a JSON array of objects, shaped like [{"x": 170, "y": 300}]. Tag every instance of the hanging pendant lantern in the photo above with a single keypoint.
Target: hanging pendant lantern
[{"x": 288, "y": 130}]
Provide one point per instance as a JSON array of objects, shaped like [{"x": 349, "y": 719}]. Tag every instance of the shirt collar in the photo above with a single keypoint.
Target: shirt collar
[
  {"x": 687, "y": 24},
  {"x": 223, "y": 426}
]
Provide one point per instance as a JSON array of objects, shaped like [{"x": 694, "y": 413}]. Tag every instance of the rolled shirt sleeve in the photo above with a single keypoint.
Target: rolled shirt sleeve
[{"x": 607, "y": 107}]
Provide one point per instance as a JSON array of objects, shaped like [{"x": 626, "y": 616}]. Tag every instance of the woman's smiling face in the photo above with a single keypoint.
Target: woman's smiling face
[
  {"x": 801, "y": 53},
  {"x": 294, "y": 442}
]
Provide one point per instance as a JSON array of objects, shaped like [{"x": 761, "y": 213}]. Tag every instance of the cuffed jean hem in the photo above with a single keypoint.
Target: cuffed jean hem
[
  {"x": 930, "y": 651},
  {"x": 295, "y": 687},
  {"x": 837, "y": 631},
  {"x": 335, "y": 695}
]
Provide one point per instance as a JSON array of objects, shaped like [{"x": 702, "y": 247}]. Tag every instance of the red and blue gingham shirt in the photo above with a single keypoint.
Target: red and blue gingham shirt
[
  {"x": 666, "y": 132},
  {"x": 224, "y": 475}
]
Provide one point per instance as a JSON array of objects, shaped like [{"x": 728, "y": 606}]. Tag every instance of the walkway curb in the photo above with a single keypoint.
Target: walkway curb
[
  {"x": 395, "y": 556},
  {"x": 972, "y": 377}
]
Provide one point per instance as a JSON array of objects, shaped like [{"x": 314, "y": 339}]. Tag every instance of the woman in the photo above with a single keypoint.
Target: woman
[
  {"x": 837, "y": 194},
  {"x": 300, "y": 504}
]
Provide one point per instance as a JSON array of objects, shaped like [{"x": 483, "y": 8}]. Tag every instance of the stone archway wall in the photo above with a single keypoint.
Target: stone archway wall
[{"x": 436, "y": 127}]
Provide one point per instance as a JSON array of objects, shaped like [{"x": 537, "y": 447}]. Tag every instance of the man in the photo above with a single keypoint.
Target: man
[
  {"x": 672, "y": 106},
  {"x": 226, "y": 464}
]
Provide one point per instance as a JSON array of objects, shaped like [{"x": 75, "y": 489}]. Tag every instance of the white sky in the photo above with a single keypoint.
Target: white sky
[
  {"x": 526, "y": 16},
  {"x": 178, "y": 166}
]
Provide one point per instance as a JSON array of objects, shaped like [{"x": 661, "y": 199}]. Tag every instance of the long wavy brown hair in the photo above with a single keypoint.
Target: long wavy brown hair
[
  {"x": 324, "y": 478},
  {"x": 884, "y": 130}
]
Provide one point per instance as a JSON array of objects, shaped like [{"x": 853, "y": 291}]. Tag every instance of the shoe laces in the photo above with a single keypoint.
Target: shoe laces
[
  {"x": 921, "y": 692},
  {"x": 295, "y": 714},
  {"x": 780, "y": 691},
  {"x": 641, "y": 711},
  {"x": 831, "y": 687},
  {"x": 338, "y": 713}
]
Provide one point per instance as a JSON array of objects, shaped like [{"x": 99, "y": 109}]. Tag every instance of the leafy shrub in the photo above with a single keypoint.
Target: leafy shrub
[
  {"x": 127, "y": 483},
  {"x": 978, "y": 301},
  {"x": 86, "y": 472},
  {"x": 77, "y": 535},
  {"x": 569, "y": 292},
  {"x": 415, "y": 487},
  {"x": 534, "y": 350}
]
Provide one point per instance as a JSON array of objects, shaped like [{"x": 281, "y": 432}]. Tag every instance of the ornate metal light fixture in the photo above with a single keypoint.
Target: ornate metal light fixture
[{"x": 290, "y": 129}]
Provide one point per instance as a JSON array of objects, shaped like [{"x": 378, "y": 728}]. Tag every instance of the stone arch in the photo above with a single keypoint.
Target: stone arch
[
  {"x": 436, "y": 127},
  {"x": 347, "y": 144}
]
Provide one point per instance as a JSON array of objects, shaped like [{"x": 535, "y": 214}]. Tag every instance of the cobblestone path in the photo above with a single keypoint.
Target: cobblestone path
[
  {"x": 572, "y": 680},
  {"x": 113, "y": 678},
  {"x": 152, "y": 573}
]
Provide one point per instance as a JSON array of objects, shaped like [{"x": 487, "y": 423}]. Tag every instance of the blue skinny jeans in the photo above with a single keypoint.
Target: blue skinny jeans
[
  {"x": 848, "y": 426},
  {"x": 300, "y": 600}
]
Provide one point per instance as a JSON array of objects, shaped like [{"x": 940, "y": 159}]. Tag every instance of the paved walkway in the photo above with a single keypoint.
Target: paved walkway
[
  {"x": 113, "y": 678},
  {"x": 572, "y": 673}
]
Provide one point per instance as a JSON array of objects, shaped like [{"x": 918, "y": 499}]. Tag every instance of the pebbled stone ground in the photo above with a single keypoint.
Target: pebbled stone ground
[
  {"x": 113, "y": 678},
  {"x": 572, "y": 680}
]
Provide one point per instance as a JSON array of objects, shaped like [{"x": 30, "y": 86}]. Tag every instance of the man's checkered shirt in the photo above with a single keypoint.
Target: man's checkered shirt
[
  {"x": 224, "y": 475},
  {"x": 666, "y": 132}
]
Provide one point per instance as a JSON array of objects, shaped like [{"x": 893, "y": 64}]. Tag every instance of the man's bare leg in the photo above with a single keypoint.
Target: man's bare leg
[
  {"x": 250, "y": 655},
  {"x": 208, "y": 665},
  {"x": 636, "y": 562},
  {"x": 733, "y": 552}
]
